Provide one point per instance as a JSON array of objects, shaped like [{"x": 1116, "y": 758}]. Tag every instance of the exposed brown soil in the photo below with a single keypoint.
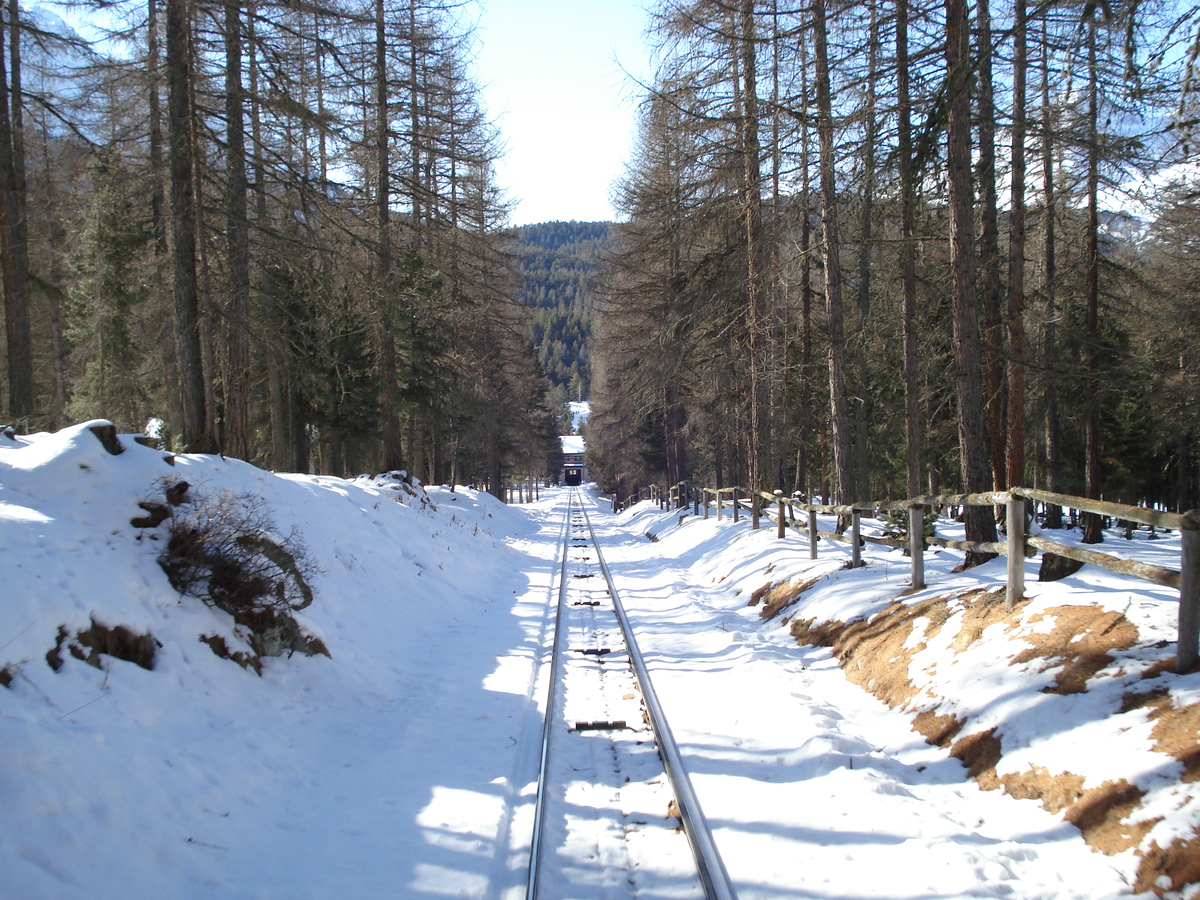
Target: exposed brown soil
[
  {"x": 1081, "y": 641},
  {"x": 877, "y": 654},
  {"x": 1179, "y": 863},
  {"x": 780, "y": 595},
  {"x": 1176, "y": 733},
  {"x": 980, "y": 752}
]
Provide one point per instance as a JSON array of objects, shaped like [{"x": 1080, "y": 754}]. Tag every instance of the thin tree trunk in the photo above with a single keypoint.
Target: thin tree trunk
[
  {"x": 237, "y": 389},
  {"x": 908, "y": 261},
  {"x": 862, "y": 407},
  {"x": 153, "y": 62},
  {"x": 1016, "y": 259},
  {"x": 803, "y": 462},
  {"x": 13, "y": 256},
  {"x": 1092, "y": 533},
  {"x": 839, "y": 411},
  {"x": 989, "y": 248},
  {"x": 58, "y": 341},
  {"x": 972, "y": 424},
  {"x": 752, "y": 217},
  {"x": 1049, "y": 344},
  {"x": 194, "y": 431},
  {"x": 393, "y": 456}
]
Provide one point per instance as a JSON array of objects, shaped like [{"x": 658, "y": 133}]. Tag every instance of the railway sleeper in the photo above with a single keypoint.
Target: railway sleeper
[{"x": 615, "y": 725}]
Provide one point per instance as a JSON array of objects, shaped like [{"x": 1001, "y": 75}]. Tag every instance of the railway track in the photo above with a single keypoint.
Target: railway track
[{"x": 614, "y": 806}]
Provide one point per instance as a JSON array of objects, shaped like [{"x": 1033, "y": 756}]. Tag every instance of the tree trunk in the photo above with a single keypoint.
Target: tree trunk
[
  {"x": 1091, "y": 521},
  {"x": 839, "y": 412},
  {"x": 393, "y": 455},
  {"x": 908, "y": 257},
  {"x": 752, "y": 217},
  {"x": 972, "y": 424},
  {"x": 237, "y": 388},
  {"x": 13, "y": 250},
  {"x": 863, "y": 403},
  {"x": 989, "y": 248},
  {"x": 194, "y": 426},
  {"x": 1016, "y": 259},
  {"x": 1049, "y": 345},
  {"x": 803, "y": 462}
]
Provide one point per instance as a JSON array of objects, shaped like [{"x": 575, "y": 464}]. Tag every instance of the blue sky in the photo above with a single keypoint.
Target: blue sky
[{"x": 552, "y": 79}]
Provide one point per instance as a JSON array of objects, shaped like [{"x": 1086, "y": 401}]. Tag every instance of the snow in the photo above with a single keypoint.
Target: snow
[
  {"x": 403, "y": 763},
  {"x": 580, "y": 410},
  {"x": 571, "y": 443}
]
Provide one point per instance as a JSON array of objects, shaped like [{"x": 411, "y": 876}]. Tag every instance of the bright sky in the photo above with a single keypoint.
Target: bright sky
[{"x": 552, "y": 79}]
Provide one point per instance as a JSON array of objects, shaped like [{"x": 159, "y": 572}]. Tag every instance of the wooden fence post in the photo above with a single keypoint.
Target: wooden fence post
[
  {"x": 705, "y": 492},
  {"x": 1187, "y": 654},
  {"x": 736, "y": 505},
  {"x": 916, "y": 546},
  {"x": 781, "y": 525},
  {"x": 812, "y": 534},
  {"x": 720, "y": 505},
  {"x": 1015, "y": 525},
  {"x": 855, "y": 540},
  {"x": 696, "y": 500}
]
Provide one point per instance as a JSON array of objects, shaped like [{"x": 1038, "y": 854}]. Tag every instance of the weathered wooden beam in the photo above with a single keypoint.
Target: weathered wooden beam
[
  {"x": 1142, "y": 514},
  {"x": 1187, "y": 653},
  {"x": 916, "y": 546},
  {"x": 998, "y": 547},
  {"x": 1015, "y": 526},
  {"x": 1144, "y": 570}
]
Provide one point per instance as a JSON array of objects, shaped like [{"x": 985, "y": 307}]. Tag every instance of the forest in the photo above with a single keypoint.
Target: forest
[
  {"x": 880, "y": 249},
  {"x": 270, "y": 230},
  {"x": 561, "y": 262}
]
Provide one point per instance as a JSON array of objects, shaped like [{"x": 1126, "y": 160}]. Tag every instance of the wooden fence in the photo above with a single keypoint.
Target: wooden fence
[{"x": 1018, "y": 544}]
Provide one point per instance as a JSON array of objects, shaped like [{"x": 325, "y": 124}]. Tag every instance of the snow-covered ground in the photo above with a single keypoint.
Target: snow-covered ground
[
  {"x": 580, "y": 410},
  {"x": 400, "y": 764}
]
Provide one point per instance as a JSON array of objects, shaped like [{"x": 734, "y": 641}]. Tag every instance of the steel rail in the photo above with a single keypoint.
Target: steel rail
[
  {"x": 539, "y": 814},
  {"x": 711, "y": 868}
]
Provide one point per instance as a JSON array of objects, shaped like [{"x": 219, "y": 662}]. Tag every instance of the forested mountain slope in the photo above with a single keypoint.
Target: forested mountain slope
[{"x": 560, "y": 261}]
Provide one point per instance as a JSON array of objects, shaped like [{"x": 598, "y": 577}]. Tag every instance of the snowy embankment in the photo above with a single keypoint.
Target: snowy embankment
[
  {"x": 138, "y": 762},
  {"x": 1070, "y": 703},
  {"x": 151, "y": 744}
]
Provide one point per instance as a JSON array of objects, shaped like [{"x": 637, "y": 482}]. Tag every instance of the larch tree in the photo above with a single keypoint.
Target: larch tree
[{"x": 972, "y": 422}]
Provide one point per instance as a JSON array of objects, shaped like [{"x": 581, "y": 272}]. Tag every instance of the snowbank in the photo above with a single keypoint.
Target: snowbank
[
  {"x": 187, "y": 775},
  {"x": 1070, "y": 700}
]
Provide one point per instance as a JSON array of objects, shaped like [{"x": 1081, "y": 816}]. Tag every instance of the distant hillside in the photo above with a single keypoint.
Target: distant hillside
[{"x": 559, "y": 260}]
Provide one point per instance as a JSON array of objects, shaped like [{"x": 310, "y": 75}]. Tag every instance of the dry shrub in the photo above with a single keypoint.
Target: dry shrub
[
  {"x": 217, "y": 644},
  {"x": 118, "y": 642},
  {"x": 216, "y": 552},
  {"x": 222, "y": 550}
]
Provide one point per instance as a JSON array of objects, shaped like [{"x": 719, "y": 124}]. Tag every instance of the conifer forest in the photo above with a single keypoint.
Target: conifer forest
[
  {"x": 863, "y": 250},
  {"x": 883, "y": 249}
]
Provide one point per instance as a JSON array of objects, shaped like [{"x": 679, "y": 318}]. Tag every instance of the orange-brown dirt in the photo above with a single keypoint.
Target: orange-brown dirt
[
  {"x": 780, "y": 595},
  {"x": 877, "y": 653}
]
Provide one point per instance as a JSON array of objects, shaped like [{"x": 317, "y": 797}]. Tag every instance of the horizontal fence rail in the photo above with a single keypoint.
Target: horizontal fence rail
[{"x": 1017, "y": 546}]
